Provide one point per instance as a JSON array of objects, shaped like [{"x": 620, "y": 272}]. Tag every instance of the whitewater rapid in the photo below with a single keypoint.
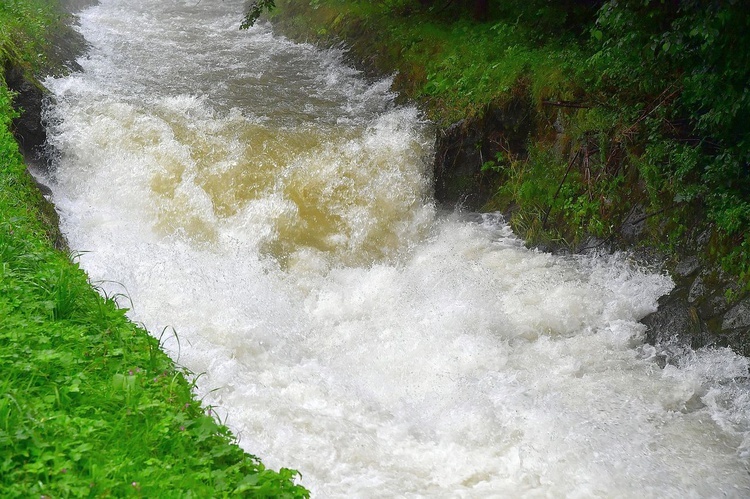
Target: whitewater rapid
[{"x": 272, "y": 207}]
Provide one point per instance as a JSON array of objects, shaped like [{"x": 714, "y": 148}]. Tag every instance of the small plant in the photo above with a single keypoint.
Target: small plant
[{"x": 255, "y": 10}]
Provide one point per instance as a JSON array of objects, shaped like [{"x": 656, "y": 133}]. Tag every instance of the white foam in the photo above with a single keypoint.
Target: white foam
[{"x": 345, "y": 328}]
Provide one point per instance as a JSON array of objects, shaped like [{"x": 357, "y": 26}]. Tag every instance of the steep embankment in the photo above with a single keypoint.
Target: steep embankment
[
  {"x": 536, "y": 120},
  {"x": 89, "y": 404}
]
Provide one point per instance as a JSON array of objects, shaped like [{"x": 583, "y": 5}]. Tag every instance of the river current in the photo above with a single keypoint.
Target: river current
[{"x": 272, "y": 207}]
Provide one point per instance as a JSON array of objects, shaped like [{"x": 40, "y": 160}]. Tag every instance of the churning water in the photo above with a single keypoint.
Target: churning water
[{"x": 274, "y": 208}]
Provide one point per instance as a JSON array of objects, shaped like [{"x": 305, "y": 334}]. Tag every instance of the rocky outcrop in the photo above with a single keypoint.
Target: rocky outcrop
[
  {"x": 65, "y": 46},
  {"x": 29, "y": 128},
  {"x": 704, "y": 309},
  {"x": 464, "y": 148}
]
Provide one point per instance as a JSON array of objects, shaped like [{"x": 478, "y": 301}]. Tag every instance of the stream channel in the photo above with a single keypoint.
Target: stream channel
[{"x": 273, "y": 207}]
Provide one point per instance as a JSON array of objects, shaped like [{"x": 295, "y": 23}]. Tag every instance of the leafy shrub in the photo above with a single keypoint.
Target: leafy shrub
[{"x": 687, "y": 70}]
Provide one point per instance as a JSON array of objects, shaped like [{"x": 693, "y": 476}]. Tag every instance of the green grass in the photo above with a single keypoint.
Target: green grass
[
  {"x": 90, "y": 406},
  {"x": 453, "y": 66},
  {"x": 469, "y": 66},
  {"x": 23, "y": 29}
]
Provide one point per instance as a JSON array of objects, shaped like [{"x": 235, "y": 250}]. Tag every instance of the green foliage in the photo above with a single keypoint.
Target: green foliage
[
  {"x": 255, "y": 10},
  {"x": 474, "y": 65},
  {"x": 685, "y": 64},
  {"x": 454, "y": 65},
  {"x": 568, "y": 200}
]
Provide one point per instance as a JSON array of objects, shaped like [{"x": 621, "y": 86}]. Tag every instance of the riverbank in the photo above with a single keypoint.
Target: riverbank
[
  {"x": 534, "y": 123},
  {"x": 89, "y": 403}
]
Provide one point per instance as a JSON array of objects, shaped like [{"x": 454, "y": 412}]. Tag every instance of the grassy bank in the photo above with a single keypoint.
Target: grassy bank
[
  {"x": 634, "y": 111},
  {"x": 89, "y": 404},
  {"x": 453, "y": 66}
]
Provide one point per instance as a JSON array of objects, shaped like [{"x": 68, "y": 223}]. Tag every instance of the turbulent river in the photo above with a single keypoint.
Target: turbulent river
[{"x": 273, "y": 208}]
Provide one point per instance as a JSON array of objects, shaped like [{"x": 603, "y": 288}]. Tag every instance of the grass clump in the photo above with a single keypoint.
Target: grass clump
[
  {"x": 23, "y": 32},
  {"x": 90, "y": 406}
]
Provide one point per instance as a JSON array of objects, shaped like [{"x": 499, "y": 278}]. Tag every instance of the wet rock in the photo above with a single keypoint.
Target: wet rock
[
  {"x": 465, "y": 147},
  {"x": 28, "y": 127},
  {"x": 634, "y": 224},
  {"x": 703, "y": 239},
  {"x": 738, "y": 316},
  {"x": 675, "y": 322},
  {"x": 592, "y": 244},
  {"x": 458, "y": 165},
  {"x": 697, "y": 314},
  {"x": 736, "y": 339},
  {"x": 687, "y": 266},
  {"x": 713, "y": 305},
  {"x": 697, "y": 290}
]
